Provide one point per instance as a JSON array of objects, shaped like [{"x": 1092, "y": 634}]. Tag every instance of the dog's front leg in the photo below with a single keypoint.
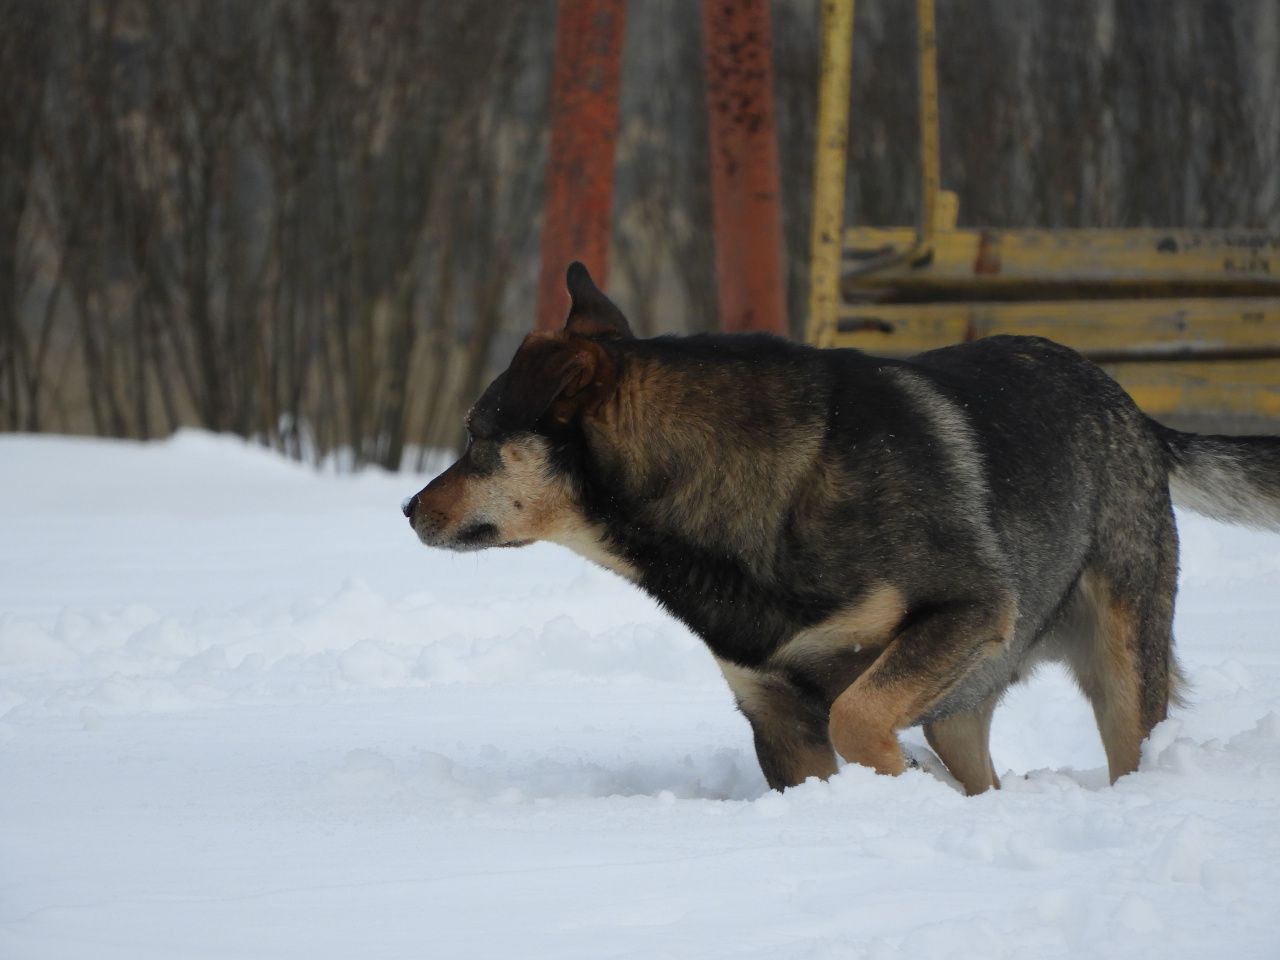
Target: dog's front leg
[
  {"x": 789, "y": 728},
  {"x": 937, "y": 649},
  {"x": 962, "y": 743}
]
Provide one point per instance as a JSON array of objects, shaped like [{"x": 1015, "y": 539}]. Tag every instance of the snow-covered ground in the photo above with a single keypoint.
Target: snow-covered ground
[{"x": 244, "y": 714}]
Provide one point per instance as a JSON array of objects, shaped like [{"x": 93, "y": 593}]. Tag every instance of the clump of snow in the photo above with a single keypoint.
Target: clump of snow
[{"x": 243, "y": 713}]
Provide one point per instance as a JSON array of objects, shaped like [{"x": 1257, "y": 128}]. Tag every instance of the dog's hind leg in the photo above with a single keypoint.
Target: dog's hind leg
[
  {"x": 790, "y": 729},
  {"x": 1125, "y": 664},
  {"x": 962, "y": 742},
  {"x": 928, "y": 658}
]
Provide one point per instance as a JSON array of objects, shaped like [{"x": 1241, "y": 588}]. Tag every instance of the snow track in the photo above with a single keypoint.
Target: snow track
[{"x": 244, "y": 714}]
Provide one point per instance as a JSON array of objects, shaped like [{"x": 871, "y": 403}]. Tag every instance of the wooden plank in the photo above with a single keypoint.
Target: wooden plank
[
  {"x": 1203, "y": 357},
  {"x": 1245, "y": 260},
  {"x": 902, "y": 329},
  {"x": 1226, "y": 388},
  {"x": 1172, "y": 328}
]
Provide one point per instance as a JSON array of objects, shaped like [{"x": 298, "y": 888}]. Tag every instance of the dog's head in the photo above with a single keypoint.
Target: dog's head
[{"x": 507, "y": 489}]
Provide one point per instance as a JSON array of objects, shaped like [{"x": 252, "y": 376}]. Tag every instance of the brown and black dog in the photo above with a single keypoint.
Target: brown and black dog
[{"x": 864, "y": 544}]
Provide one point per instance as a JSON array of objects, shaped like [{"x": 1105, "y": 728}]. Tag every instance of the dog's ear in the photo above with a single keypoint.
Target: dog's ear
[
  {"x": 592, "y": 314},
  {"x": 552, "y": 372}
]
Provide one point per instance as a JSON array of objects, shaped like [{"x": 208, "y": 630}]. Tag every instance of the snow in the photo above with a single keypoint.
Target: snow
[{"x": 243, "y": 713}]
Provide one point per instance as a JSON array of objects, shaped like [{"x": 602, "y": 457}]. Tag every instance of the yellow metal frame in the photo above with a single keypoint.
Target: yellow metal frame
[
  {"x": 1187, "y": 320},
  {"x": 830, "y": 161}
]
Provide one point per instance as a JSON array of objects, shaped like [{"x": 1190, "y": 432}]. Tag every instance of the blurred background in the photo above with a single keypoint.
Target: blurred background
[{"x": 316, "y": 223}]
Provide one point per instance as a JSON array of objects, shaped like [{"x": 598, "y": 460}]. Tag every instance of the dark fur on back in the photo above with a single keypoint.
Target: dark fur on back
[{"x": 864, "y": 544}]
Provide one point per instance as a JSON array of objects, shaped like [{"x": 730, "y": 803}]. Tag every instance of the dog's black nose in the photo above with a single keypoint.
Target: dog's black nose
[{"x": 407, "y": 505}]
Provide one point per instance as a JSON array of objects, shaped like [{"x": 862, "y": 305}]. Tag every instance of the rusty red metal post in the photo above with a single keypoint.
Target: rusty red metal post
[
  {"x": 737, "y": 37},
  {"x": 584, "y": 131}
]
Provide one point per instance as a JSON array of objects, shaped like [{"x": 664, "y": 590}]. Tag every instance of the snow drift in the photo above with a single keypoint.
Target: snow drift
[{"x": 244, "y": 714}]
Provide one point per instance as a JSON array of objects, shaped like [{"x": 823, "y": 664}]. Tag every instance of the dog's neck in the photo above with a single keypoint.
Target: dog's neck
[{"x": 661, "y": 443}]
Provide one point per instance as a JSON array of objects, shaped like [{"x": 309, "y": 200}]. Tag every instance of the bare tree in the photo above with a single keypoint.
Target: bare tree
[
  {"x": 25, "y": 50},
  {"x": 315, "y": 222}
]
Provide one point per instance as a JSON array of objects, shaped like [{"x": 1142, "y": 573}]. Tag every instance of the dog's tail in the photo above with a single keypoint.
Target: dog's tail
[{"x": 1235, "y": 479}]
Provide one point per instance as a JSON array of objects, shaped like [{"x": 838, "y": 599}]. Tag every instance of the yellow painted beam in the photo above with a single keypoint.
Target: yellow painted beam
[
  {"x": 830, "y": 158},
  {"x": 1209, "y": 326},
  {"x": 1214, "y": 356},
  {"x": 982, "y": 259},
  {"x": 1241, "y": 388},
  {"x": 899, "y": 330}
]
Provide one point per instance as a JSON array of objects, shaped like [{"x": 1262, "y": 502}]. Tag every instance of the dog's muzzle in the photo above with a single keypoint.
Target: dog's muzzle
[{"x": 430, "y": 529}]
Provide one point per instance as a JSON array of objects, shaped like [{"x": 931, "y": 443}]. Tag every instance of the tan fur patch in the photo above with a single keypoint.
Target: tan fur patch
[
  {"x": 864, "y": 727},
  {"x": 746, "y": 684},
  {"x": 546, "y": 510},
  {"x": 710, "y": 477},
  {"x": 865, "y": 718},
  {"x": 867, "y": 623},
  {"x": 1005, "y": 624},
  {"x": 770, "y": 708},
  {"x": 525, "y": 499},
  {"x": 805, "y": 760},
  {"x": 587, "y": 540},
  {"x": 1108, "y": 674},
  {"x": 962, "y": 742}
]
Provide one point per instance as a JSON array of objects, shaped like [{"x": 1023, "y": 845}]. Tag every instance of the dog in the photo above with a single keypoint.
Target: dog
[{"x": 864, "y": 544}]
